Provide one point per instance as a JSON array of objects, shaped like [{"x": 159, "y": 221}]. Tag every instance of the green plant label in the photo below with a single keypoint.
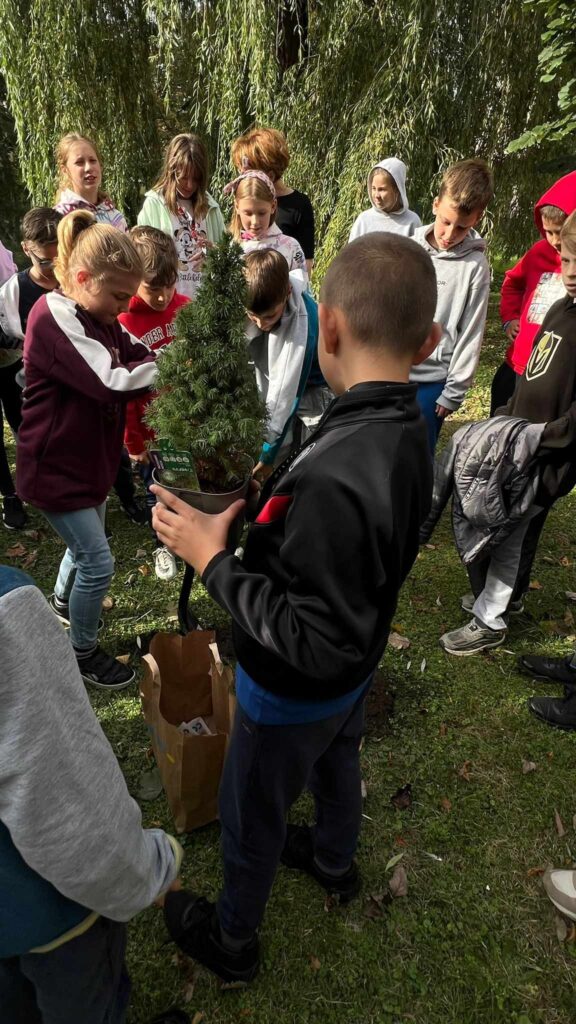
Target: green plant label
[{"x": 169, "y": 458}]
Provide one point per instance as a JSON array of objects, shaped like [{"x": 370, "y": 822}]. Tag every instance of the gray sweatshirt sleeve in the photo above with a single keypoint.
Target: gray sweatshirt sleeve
[
  {"x": 63, "y": 797},
  {"x": 466, "y": 351}
]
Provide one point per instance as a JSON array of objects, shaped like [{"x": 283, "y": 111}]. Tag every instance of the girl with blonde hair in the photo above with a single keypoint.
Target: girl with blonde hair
[
  {"x": 80, "y": 179},
  {"x": 82, "y": 367},
  {"x": 180, "y": 205},
  {"x": 253, "y": 224}
]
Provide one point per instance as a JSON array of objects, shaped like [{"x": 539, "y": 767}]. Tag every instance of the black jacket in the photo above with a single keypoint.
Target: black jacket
[
  {"x": 334, "y": 538},
  {"x": 493, "y": 470},
  {"x": 546, "y": 393}
]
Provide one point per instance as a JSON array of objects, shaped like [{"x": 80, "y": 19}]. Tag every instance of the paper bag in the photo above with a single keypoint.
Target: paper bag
[{"x": 179, "y": 685}]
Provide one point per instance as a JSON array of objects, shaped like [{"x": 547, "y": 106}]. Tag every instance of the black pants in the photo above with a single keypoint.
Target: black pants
[
  {"x": 477, "y": 570},
  {"x": 82, "y": 982},
  {"x": 267, "y": 768},
  {"x": 124, "y": 482},
  {"x": 502, "y": 388},
  {"x": 11, "y": 408}
]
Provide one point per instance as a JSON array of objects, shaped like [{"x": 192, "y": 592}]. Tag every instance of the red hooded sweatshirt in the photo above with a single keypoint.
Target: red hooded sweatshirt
[
  {"x": 156, "y": 328},
  {"x": 534, "y": 284}
]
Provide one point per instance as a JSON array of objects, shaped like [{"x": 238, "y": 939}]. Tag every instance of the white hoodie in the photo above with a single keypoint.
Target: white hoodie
[
  {"x": 463, "y": 279},
  {"x": 402, "y": 221}
]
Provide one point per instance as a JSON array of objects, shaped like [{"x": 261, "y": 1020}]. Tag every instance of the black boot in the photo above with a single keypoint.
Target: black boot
[
  {"x": 298, "y": 854},
  {"x": 556, "y": 670},
  {"x": 193, "y": 925},
  {"x": 557, "y": 711}
]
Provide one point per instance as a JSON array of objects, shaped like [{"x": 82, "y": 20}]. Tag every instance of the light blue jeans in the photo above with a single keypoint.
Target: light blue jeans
[{"x": 85, "y": 571}]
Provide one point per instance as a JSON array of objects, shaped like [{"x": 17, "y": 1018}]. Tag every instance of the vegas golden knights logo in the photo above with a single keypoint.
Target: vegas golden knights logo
[{"x": 542, "y": 355}]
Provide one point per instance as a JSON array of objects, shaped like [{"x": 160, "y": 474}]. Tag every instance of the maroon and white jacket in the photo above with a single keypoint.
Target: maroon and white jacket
[{"x": 80, "y": 374}]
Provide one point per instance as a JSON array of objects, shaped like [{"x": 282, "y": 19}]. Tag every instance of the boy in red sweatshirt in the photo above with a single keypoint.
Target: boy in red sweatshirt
[
  {"x": 150, "y": 318},
  {"x": 532, "y": 286}
]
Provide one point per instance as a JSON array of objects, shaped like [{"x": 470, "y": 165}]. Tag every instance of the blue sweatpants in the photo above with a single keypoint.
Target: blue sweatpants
[{"x": 428, "y": 395}]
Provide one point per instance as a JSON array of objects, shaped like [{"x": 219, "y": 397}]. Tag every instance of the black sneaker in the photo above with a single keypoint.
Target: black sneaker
[
  {"x": 549, "y": 670},
  {"x": 13, "y": 514},
  {"x": 62, "y": 613},
  {"x": 298, "y": 853},
  {"x": 102, "y": 670},
  {"x": 138, "y": 513},
  {"x": 193, "y": 925},
  {"x": 559, "y": 712}
]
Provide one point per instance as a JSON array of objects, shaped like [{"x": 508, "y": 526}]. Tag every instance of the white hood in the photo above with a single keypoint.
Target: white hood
[{"x": 397, "y": 170}]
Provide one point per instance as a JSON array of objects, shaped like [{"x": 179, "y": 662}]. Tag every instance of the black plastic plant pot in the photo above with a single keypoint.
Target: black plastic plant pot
[{"x": 212, "y": 504}]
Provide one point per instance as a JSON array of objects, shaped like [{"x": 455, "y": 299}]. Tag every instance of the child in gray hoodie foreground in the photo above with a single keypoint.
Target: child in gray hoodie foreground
[
  {"x": 75, "y": 862},
  {"x": 463, "y": 278},
  {"x": 387, "y": 194}
]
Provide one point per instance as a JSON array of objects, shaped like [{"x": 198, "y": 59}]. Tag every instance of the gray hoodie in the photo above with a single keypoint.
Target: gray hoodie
[
  {"x": 463, "y": 278},
  {"x": 402, "y": 221}
]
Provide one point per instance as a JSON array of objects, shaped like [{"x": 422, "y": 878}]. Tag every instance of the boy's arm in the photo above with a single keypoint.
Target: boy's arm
[
  {"x": 468, "y": 343},
  {"x": 63, "y": 797}
]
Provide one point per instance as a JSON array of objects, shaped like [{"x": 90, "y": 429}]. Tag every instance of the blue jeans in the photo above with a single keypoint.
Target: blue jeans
[
  {"x": 428, "y": 395},
  {"x": 84, "y": 980},
  {"x": 267, "y": 767},
  {"x": 85, "y": 571}
]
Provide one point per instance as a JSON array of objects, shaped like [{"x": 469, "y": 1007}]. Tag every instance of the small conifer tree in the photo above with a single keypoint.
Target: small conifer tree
[{"x": 208, "y": 402}]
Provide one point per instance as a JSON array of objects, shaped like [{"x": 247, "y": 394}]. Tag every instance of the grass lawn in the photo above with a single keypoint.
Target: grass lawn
[{"x": 474, "y": 941}]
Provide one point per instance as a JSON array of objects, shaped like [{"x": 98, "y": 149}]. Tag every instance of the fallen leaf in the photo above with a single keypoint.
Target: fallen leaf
[
  {"x": 533, "y": 872},
  {"x": 16, "y": 551},
  {"x": 398, "y": 884},
  {"x": 130, "y": 580},
  {"x": 199, "y": 1016},
  {"x": 399, "y": 841},
  {"x": 559, "y": 825},
  {"x": 570, "y": 594},
  {"x": 124, "y": 659},
  {"x": 438, "y": 601},
  {"x": 534, "y": 585},
  {"x": 108, "y": 603},
  {"x": 431, "y": 547},
  {"x": 464, "y": 771},
  {"x": 561, "y": 928},
  {"x": 29, "y": 560},
  {"x": 423, "y": 665},
  {"x": 408, "y": 664},
  {"x": 393, "y": 861},
  {"x": 33, "y": 534},
  {"x": 569, "y": 617},
  {"x": 402, "y": 798},
  {"x": 443, "y": 729},
  {"x": 188, "y": 991},
  {"x": 397, "y": 642},
  {"x": 446, "y": 804},
  {"x": 548, "y": 558},
  {"x": 550, "y": 755},
  {"x": 331, "y": 902},
  {"x": 315, "y": 964},
  {"x": 528, "y": 766},
  {"x": 144, "y": 569},
  {"x": 565, "y": 561},
  {"x": 149, "y": 784},
  {"x": 141, "y": 553}
]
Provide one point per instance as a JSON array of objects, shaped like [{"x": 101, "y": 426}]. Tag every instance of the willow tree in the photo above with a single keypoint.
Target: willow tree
[{"x": 84, "y": 67}]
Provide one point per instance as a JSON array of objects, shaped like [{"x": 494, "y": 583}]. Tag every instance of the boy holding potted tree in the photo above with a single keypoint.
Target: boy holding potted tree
[{"x": 335, "y": 534}]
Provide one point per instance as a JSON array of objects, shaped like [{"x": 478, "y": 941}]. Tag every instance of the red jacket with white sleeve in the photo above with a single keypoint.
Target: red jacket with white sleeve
[
  {"x": 156, "y": 328},
  {"x": 80, "y": 373}
]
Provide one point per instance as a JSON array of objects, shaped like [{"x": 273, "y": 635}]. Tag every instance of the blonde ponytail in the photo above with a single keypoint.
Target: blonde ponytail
[{"x": 98, "y": 248}]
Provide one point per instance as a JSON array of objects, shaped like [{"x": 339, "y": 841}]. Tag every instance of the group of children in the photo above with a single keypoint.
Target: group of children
[{"x": 357, "y": 389}]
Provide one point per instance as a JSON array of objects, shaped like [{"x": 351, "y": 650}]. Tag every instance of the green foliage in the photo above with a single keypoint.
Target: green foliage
[
  {"x": 210, "y": 405},
  {"x": 557, "y": 62}
]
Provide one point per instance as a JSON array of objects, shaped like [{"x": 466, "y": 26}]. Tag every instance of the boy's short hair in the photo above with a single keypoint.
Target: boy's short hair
[
  {"x": 469, "y": 185},
  {"x": 267, "y": 279},
  {"x": 158, "y": 254},
  {"x": 385, "y": 284},
  {"x": 40, "y": 225},
  {"x": 553, "y": 213},
  {"x": 568, "y": 233}
]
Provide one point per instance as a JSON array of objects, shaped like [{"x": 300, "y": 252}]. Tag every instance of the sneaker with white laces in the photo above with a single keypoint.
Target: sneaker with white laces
[
  {"x": 165, "y": 564},
  {"x": 471, "y": 639},
  {"x": 100, "y": 669},
  {"x": 514, "y": 608}
]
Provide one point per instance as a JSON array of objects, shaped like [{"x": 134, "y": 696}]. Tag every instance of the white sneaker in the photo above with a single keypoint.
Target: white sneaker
[{"x": 165, "y": 564}]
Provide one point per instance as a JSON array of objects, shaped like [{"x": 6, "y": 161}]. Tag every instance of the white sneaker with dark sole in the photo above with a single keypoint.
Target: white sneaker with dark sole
[
  {"x": 165, "y": 564},
  {"x": 471, "y": 639},
  {"x": 514, "y": 608},
  {"x": 560, "y": 886},
  {"x": 101, "y": 670}
]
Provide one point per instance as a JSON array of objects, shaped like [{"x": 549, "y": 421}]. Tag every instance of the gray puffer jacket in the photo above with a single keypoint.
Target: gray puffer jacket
[{"x": 492, "y": 469}]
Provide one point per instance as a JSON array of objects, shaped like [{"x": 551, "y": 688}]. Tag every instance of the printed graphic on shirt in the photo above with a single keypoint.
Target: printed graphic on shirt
[
  {"x": 542, "y": 355},
  {"x": 548, "y": 290},
  {"x": 190, "y": 238}
]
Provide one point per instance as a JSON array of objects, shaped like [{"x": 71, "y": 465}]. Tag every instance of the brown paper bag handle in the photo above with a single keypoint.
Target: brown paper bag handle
[{"x": 154, "y": 670}]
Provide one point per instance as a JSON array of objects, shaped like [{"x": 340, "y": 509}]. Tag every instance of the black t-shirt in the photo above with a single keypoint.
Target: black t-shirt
[
  {"x": 30, "y": 292},
  {"x": 295, "y": 217}
]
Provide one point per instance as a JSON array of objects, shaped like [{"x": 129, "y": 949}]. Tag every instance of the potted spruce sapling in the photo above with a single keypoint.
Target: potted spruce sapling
[{"x": 207, "y": 416}]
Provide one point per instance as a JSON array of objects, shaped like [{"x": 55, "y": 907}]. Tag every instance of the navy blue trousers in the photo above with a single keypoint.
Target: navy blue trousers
[{"x": 267, "y": 768}]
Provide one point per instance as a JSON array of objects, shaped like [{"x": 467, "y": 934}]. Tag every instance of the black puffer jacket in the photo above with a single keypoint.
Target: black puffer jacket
[{"x": 493, "y": 470}]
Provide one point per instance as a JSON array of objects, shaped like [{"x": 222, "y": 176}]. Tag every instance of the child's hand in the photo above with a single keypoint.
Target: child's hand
[
  {"x": 143, "y": 458},
  {"x": 442, "y": 412},
  {"x": 194, "y": 536},
  {"x": 512, "y": 329}
]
